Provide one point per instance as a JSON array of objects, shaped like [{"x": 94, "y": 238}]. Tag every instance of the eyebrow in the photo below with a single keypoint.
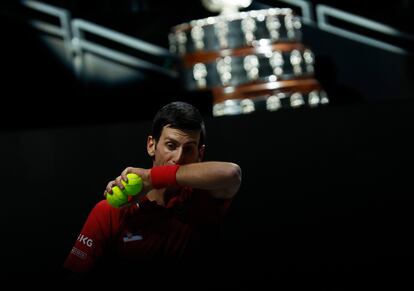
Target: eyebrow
[{"x": 170, "y": 139}]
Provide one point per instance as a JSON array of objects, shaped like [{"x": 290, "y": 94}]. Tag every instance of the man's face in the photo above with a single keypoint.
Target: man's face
[{"x": 175, "y": 146}]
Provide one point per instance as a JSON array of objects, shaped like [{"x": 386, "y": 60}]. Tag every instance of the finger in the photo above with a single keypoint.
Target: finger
[
  {"x": 119, "y": 183},
  {"x": 125, "y": 173},
  {"x": 109, "y": 187}
]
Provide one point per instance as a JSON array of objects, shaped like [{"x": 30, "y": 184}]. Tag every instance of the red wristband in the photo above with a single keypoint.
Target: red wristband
[{"x": 164, "y": 176}]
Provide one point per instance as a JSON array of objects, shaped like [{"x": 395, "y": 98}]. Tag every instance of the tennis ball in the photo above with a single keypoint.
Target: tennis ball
[
  {"x": 113, "y": 201},
  {"x": 117, "y": 198},
  {"x": 134, "y": 184}
]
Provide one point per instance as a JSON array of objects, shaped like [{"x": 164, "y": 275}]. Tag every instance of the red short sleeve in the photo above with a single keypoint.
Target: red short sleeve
[{"x": 91, "y": 241}]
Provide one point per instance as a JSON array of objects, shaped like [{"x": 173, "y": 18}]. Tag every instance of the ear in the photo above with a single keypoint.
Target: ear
[
  {"x": 151, "y": 146},
  {"x": 201, "y": 152}
]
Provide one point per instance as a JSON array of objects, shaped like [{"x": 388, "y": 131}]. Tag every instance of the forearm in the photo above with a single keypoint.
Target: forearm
[{"x": 221, "y": 178}]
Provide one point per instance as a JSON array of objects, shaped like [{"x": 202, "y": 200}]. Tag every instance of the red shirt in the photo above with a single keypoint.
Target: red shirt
[{"x": 146, "y": 230}]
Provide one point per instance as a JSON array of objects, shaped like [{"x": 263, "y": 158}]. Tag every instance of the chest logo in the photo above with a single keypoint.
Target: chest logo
[{"x": 128, "y": 237}]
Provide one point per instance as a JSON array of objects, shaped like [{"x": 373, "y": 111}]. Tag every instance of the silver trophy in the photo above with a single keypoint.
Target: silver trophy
[
  {"x": 249, "y": 60},
  {"x": 225, "y": 7}
]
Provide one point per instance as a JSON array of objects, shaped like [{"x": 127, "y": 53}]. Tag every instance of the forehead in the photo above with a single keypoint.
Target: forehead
[{"x": 180, "y": 135}]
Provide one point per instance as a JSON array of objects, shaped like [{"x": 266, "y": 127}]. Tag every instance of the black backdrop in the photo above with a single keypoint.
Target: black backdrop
[
  {"x": 326, "y": 195},
  {"x": 326, "y": 198}
]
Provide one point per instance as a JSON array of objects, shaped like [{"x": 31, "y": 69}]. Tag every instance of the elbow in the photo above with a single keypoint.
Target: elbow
[
  {"x": 229, "y": 183},
  {"x": 235, "y": 176},
  {"x": 236, "y": 173}
]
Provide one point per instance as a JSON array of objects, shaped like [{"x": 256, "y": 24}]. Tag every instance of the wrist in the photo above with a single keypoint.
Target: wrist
[{"x": 163, "y": 176}]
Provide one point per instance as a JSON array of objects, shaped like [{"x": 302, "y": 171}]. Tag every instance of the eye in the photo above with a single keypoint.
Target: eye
[
  {"x": 170, "y": 146},
  {"x": 189, "y": 149}
]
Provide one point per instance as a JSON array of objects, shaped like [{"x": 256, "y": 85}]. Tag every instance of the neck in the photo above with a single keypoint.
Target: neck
[
  {"x": 157, "y": 195},
  {"x": 162, "y": 196}
]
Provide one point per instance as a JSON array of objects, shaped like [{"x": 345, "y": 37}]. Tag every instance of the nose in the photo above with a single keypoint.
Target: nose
[{"x": 179, "y": 156}]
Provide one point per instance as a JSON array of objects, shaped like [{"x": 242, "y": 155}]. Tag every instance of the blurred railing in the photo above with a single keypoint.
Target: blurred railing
[{"x": 80, "y": 37}]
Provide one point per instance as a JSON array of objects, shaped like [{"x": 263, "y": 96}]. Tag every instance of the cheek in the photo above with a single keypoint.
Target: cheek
[
  {"x": 192, "y": 157},
  {"x": 162, "y": 155}
]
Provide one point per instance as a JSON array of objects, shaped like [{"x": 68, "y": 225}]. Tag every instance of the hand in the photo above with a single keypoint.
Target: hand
[{"x": 143, "y": 173}]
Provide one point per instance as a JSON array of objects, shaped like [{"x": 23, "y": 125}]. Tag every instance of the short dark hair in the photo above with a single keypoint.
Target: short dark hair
[{"x": 179, "y": 115}]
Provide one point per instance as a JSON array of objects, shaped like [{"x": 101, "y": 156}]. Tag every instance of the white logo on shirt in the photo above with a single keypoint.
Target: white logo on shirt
[
  {"x": 77, "y": 252},
  {"x": 132, "y": 237},
  {"x": 85, "y": 240}
]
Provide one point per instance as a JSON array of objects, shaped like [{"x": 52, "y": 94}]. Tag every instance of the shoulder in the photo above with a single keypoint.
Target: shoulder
[
  {"x": 103, "y": 205},
  {"x": 105, "y": 218},
  {"x": 103, "y": 210}
]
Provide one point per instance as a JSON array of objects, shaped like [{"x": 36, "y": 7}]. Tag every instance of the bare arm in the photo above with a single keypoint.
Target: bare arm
[{"x": 221, "y": 179}]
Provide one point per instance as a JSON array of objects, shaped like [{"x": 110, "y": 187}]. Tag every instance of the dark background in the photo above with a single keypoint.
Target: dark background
[{"x": 326, "y": 199}]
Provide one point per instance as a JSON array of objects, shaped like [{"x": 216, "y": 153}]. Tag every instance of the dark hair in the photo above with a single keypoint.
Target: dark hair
[{"x": 179, "y": 115}]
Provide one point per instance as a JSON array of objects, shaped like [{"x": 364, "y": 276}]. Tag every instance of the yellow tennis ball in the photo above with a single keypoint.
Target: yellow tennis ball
[
  {"x": 117, "y": 198},
  {"x": 113, "y": 201},
  {"x": 134, "y": 184}
]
